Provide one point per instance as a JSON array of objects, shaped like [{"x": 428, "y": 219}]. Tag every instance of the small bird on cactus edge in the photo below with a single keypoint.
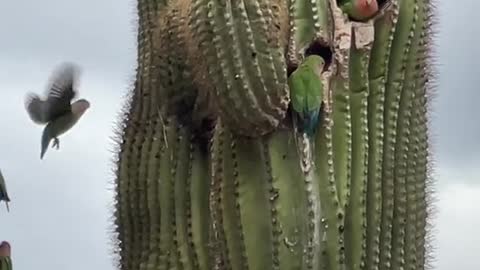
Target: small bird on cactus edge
[
  {"x": 3, "y": 191},
  {"x": 360, "y": 10},
  {"x": 57, "y": 111},
  {"x": 5, "y": 256}
]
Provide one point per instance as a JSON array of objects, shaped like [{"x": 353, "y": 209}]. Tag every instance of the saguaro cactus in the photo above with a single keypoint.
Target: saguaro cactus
[{"x": 211, "y": 173}]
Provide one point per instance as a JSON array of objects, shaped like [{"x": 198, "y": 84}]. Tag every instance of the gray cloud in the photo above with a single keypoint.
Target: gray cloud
[
  {"x": 455, "y": 123},
  {"x": 99, "y": 35},
  {"x": 61, "y": 205},
  {"x": 456, "y": 237}
]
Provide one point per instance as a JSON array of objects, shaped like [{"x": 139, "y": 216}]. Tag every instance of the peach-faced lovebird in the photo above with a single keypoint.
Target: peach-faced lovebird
[
  {"x": 359, "y": 10},
  {"x": 306, "y": 93},
  {"x": 5, "y": 259}
]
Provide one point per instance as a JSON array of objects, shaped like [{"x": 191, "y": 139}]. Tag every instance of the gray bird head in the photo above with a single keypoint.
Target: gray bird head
[{"x": 80, "y": 106}]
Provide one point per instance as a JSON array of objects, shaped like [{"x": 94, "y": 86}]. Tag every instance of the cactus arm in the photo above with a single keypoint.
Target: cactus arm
[
  {"x": 403, "y": 247},
  {"x": 166, "y": 250},
  {"x": 200, "y": 212},
  {"x": 303, "y": 20},
  {"x": 229, "y": 239},
  {"x": 356, "y": 220},
  {"x": 308, "y": 22},
  {"x": 332, "y": 213},
  {"x": 200, "y": 22},
  {"x": 253, "y": 178},
  {"x": 397, "y": 64},
  {"x": 135, "y": 143},
  {"x": 251, "y": 228},
  {"x": 340, "y": 99},
  {"x": 157, "y": 143},
  {"x": 252, "y": 83},
  {"x": 418, "y": 178},
  {"x": 377, "y": 72},
  {"x": 283, "y": 232},
  {"x": 182, "y": 200},
  {"x": 300, "y": 233}
]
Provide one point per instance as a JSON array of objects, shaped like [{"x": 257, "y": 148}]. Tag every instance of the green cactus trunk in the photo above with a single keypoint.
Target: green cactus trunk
[{"x": 211, "y": 174}]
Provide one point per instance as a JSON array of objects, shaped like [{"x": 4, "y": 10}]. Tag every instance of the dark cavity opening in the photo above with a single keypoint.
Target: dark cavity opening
[
  {"x": 384, "y": 3},
  {"x": 316, "y": 48},
  {"x": 324, "y": 51},
  {"x": 379, "y": 2}
]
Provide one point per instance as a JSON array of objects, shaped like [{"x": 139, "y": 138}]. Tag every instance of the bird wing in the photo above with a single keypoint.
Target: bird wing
[
  {"x": 314, "y": 93},
  {"x": 3, "y": 189},
  {"x": 296, "y": 84},
  {"x": 61, "y": 91},
  {"x": 36, "y": 108}
]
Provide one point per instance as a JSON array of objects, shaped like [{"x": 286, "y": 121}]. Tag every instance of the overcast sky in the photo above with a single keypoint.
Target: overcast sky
[{"x": 59, "y": 216}]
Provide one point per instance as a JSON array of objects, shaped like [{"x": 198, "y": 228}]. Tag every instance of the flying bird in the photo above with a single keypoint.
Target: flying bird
[
  {"x": 56, "y": 111},
  {"x": 3, "y": 191}
]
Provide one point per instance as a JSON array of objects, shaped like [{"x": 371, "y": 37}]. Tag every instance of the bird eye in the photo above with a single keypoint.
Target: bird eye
[{"x": 364, "y": 10}]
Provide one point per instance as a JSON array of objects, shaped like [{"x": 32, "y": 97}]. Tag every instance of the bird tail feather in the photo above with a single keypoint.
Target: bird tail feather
[{"x": 45, "y": 142}]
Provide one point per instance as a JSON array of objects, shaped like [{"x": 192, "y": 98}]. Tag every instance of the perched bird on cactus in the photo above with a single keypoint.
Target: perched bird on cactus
[
  {"x": 306, "y": 93},
  {"x": 359, "y": 10},
  {"x": 5, "y": 253},
  {"x": 57, "y": 111},
  {"x": 3, "y": 191}
]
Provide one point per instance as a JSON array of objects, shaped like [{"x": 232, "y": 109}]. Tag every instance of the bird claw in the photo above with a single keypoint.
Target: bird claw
[{"x": 56, "y": 143}]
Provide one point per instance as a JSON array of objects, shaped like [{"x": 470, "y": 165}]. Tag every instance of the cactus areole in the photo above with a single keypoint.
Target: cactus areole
[{"x": 211, "y": 172}]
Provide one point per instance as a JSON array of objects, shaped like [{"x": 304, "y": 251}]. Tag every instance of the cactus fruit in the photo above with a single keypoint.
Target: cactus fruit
[{"x": 210, "y": 173}]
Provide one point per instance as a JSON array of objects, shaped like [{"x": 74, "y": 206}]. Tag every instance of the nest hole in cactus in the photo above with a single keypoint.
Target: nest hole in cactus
[
  {"x": 322, "y": 50},
  {"x": 383, "y": 3},
  {"x": 316, "y": 48}
]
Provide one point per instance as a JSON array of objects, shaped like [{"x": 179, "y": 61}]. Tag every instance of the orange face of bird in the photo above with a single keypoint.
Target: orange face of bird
[
  {"x": 5, "y": 249},
  {"x": 366, "y": 8}
]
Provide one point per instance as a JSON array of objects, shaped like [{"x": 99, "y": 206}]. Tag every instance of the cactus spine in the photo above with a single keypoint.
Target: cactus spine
[{"x": 211, "y": 174}]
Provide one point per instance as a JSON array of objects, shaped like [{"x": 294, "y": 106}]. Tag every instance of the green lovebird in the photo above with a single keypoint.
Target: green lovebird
[
  {"x": 306, "y": 92},
  {"x": 359, "y": 10},
  {"x": 5, "y": 254},
  {"x": 3, "y": 191},
  {"x": 56, "y": 111}
]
